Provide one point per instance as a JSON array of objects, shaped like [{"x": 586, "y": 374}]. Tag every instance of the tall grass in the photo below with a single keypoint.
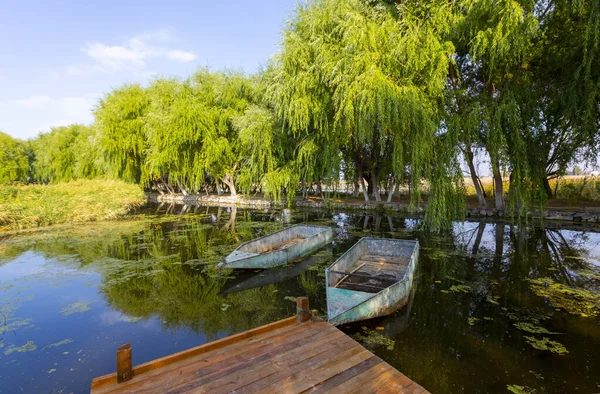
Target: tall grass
[{"x": 73, "y": 202}]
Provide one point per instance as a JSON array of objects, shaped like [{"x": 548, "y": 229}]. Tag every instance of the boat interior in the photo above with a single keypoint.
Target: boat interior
[{"x": 372, "y": 267}]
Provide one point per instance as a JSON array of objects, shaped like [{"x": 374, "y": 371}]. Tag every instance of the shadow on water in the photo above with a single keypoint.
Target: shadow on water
[{"x": 494, "y": 306}]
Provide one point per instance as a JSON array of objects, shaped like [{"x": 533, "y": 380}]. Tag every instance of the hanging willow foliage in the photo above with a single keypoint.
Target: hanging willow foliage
[
  {"x": 367, "y": 81},
  {"x": 120, "y": 119}
]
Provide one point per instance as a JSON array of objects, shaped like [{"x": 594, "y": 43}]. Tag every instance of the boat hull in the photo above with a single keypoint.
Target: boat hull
[
  {"x": 262, "y": 253},
  {"x": 346, "y": 306}
]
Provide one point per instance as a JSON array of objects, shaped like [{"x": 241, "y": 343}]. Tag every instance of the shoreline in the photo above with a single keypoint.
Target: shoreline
[{"x": 582, "y": 215}]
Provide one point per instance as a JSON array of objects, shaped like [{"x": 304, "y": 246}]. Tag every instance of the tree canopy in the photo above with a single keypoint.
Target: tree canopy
[{"x": 370, "y": 92}]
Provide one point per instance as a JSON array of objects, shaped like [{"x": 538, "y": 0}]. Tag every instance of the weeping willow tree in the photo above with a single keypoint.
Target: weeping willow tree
[
  {"x": 525, "y": 88},
  {"x": 120, "y": 120},
  {"x": 14, "y": 160},
  {"x": 190, "y": 129},
  {"x": 176, "y": 125},
  {"x": 67, "y": 153},
  {"x": 366, "y": 83}
]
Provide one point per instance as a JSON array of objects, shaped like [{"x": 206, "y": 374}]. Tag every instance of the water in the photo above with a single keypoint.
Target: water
[{"x": 70, "y": 296}]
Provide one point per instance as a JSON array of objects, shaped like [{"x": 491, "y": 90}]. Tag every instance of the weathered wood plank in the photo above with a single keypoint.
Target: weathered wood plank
[
  {"x": 272, "y": 369},
  {"x": 317, "y": 372},
  {"x": 195, "y": 379},
  {"x": 161, "y": 362},
  {"x": 347, "y": 378},
  {"x": 292, "y": 358},
  {"x": 211, "y": 357}
]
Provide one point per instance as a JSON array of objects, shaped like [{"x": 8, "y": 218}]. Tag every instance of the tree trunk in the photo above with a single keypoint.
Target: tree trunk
[
  {"x": 231, "y": 184},
  {"x": 218, "y": 187},
  {"x": 364, "y": 189},
  {"x": 547, "y": 188},
  {"x": 480, "y": 231},
  {"x": 320, "y": 191},
  {"x": 367, "y": 177},
  {"x": 474, "y": 177},
  {"x": 391, "y": 191},
  {"x": 183, "y": 191},
  {"x": 498, "y": 188},
  {"x": 374, "y": 180},
  {"x": 356, "y": 190}
]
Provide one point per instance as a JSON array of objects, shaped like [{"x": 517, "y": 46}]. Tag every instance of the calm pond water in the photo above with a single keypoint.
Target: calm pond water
[{"x": 494, "y": 306}]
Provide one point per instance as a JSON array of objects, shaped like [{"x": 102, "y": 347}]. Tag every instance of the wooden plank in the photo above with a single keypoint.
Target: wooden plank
[
  {"x": 210, "y": 357},
  {"x": 346, "y": 276},
  {"x": 194, "y": 379},
  {"x": 315, "y": 373},
  {"x": 347, "y": 378},
  {"x": 272, "y": 369},
  {"x": 161, "y": 362},
  {"x": 385, "y": 259},
  {"x": 362, "y": 381},
  {"x": 378, "y": 268},
  {"x": 389, "y": 381},
  {"x": 188, "y": 372}
]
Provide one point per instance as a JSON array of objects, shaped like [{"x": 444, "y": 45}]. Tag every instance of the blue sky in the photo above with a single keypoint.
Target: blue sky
[{"x": 57, "y": 58}]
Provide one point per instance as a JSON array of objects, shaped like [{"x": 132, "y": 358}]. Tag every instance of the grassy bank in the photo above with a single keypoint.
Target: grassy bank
[{"x": 72, "y": 202}]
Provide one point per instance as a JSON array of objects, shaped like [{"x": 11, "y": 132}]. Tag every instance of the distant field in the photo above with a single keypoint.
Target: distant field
[{"x": 567, "y": 188}]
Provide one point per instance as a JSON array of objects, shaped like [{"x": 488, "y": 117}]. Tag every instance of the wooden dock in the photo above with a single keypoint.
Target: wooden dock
[{"x": 294, "y": 355}]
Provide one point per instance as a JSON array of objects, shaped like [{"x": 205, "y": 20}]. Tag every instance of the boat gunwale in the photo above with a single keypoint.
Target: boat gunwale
[{"x": 398, "y": 282}]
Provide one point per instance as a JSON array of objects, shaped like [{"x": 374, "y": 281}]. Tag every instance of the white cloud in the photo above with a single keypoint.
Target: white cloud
[
  {"x": 33, "y": 102},
  {"x": 131, "y": 55},
  {"x": 181, "y": 56},
  {"x": 41, "y": 113}
]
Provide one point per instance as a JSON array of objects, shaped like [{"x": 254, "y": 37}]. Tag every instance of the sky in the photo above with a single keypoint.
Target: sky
[{"x": 58, "y": 58}]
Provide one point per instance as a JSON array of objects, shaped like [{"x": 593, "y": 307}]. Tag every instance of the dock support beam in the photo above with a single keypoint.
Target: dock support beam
[
  {"x": 124, "y": 369},
  {"x": 302, "y": 312}
]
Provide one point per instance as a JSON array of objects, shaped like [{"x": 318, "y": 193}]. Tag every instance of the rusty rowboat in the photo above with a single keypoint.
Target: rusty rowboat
[
  {"x": 277, "y": 274},
  {"x": 278, "y": 248},
  {"x": 373, "y": 278}
]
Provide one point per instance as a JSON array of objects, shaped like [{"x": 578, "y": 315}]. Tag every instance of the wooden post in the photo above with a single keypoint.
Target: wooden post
[
  {"x": 302, "y": 312},
  {"x": 124, "y": 370}
]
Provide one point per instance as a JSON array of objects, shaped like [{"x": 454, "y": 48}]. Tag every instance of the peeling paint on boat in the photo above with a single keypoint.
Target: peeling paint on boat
[{"x": 345, "y": 306}]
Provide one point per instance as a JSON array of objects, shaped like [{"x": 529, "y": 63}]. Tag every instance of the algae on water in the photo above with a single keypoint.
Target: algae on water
[
  {"x": 547, "y": 344},
  {"x": 516, "y": 389},
  {"x": 532, "y": 328},
  {"x": 576, "y": 301},
  {"x": 57, "y": 344},
  {"x": 460, "y": 289},
  {"x": 77, "y": 307},
  {"x": 372, "y": 337},
  {"x": 28, "y": 347}
]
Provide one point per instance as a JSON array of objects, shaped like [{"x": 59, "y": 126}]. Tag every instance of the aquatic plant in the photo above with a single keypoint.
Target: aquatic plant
[
  {"x": 460, "y": 289},
  {"x": 516, "y": 389},
  {"x": 28, "y": 347},
  {"x": 576, "y": 301},
  {"x": 472, "y": 320},
  {"x": 57, "y": 344},
  {"x": 532, "y": 328},
  {"x": 76, "y": 307},
  {"x": 373, "y": 338},
  {"x": 547, "y": 344}
]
